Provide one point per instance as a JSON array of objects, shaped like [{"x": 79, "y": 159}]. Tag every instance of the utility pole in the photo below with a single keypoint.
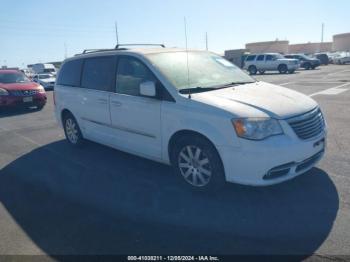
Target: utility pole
[
  {"x": 65, "y": 50},
  {"x": 322, "y": 32},
  {"x": 206, "y": 40},
  {"x": 116, "y": 32}
]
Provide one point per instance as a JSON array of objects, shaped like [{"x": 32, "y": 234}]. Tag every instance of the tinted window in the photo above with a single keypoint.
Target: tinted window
[
  {"x": 260, "y": 58},
  {"x": 131, "y": 73},
  {"x": 269, "y": 57},
  {"x": 288, "y": 56},
  {"x": 98, "y": 73},
  {"x": 251, "y": 58},
  {"x": 70, "y": 73}
]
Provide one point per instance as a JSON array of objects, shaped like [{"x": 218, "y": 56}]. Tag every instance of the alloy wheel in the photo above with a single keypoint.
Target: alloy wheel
[
  {"x": 72, "y": 131},
  {"x": 194, "y": 166}
]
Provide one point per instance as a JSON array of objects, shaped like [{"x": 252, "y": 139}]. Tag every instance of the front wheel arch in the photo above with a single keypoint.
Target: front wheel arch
[{"x": 182, "y": 133}]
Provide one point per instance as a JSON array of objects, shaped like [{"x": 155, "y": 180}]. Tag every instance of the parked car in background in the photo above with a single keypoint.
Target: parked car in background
[
  {"x": 323, "y": 57},
  {"x": 270, "y": 62},
  {"x": 44, "y": 69},
  {"x": 28, "y": 72},
  {"x": 342, "y": 58},
  {"x": 217, "y": 125},
  {"x": 46, "y": 80},
  {"x": 16, "y": 90},
  {"x": 306, "y": 62}
]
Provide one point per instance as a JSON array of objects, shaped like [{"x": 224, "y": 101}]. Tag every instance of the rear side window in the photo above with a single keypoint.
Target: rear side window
[
  {"x": 70, "y": 73},
  {"x": 251, "y": 58},
  {"x": 98, "y": 73},
  {"x": 260, "y": 58}
]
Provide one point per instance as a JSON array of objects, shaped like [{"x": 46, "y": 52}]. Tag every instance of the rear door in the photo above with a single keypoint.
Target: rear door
[
  {"x": 270, "y": 63},
  {"x": 97, "y": 81},
  {"x": 260, "y": 62},
  {"x": 136, "y": 119}
]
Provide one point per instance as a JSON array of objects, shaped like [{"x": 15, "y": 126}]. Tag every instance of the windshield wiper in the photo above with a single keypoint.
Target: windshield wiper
[
  {"x": 197, "y": 89},
  {"x": 232, "y": 84}
]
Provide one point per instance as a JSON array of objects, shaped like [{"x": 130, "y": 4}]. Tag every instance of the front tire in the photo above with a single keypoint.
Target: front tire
[
  {"x": 72, "y": 131},
  {"x": 196, "y": 161},
  {"x": 283, "y": 69}
]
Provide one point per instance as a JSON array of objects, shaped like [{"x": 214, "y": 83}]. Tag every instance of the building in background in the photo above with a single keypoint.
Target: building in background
[
  {"x": 236, "y": 56},
  {"x": 341, "y": 42},
  {"x": 310, "y": 48},
  {"x": 268, "y": 47}
]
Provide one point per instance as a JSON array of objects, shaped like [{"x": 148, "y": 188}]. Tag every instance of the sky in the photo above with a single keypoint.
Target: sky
[{"x": 33, "y": 31}]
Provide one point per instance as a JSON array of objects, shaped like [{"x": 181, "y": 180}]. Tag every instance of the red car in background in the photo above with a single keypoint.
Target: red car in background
[{"x": 16, "y": 90}]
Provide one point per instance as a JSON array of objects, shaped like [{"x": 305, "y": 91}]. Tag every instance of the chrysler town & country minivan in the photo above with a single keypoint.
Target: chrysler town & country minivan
[{"x": 193, "y": 110}]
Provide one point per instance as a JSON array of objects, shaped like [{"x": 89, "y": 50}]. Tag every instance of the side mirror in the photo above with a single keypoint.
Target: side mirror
[{"x": 148, "y": 88}]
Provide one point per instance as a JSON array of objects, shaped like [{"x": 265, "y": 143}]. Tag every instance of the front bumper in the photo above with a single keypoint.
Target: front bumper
[
  {"x": 271, "y": 161},
  {"x": 19, "y": 101}
]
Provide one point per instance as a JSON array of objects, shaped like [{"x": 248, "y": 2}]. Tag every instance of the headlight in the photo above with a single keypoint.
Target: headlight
[
  {"x": 41, "y": 89},
  {"x": 256, "y": 128},
  {"x": 3, "y": 92}
]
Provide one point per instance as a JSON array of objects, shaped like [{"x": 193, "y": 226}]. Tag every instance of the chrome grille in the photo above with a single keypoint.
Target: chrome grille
[
  {"x": 308, "y": 125},
  {"x": 23, "y": 92}
]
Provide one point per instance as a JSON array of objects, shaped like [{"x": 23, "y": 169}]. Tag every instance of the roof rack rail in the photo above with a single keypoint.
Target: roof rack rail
[
  {"x": 97, "y": 50},
  {"x": 119, "y": 45}
]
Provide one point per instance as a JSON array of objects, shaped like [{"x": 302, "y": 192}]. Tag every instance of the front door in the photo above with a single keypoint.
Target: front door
[{"x": 135, "y": 119}]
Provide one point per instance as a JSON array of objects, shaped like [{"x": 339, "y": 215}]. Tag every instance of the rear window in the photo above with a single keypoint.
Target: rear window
[
  {"x": 70, "y": 73},
  {"x": 251, "y": 58},
  {"x": 98, "y": 73}
]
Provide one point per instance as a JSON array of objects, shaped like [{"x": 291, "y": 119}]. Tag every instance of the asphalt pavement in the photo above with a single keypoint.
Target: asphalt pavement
[{"x": 55, "y": 199}]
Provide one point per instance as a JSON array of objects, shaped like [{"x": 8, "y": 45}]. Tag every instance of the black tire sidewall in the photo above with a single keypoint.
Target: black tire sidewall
[
  {"x": 217, "y": 180},
  {"x": 252, "y": 70},
  {"x": 283, "y": 69}
]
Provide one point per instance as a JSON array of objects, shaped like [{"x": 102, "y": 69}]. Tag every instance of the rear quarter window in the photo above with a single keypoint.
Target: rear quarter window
[
  {"x": 251, "y": 58},
  {"x": 70, "y": 73}
]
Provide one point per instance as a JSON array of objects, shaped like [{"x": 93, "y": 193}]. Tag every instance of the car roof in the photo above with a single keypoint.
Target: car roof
[
  {"x": 264, "y": 54},
  {"x": 139, "y": 51}
]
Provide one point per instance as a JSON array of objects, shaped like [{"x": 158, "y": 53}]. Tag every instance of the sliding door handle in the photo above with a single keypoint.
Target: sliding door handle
[{"x": 102, "y": 101}]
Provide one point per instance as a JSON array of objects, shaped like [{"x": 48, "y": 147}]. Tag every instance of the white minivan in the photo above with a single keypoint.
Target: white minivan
[{"x": 193, "y": 110}]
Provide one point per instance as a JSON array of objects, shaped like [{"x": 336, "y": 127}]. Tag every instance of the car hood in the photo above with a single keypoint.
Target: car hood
[
  {"x": 258, "y": 99},
  {"x": 19, "y": 86},
  {"x": 287, "y": 59},
  {"x": 48, "y": 80}
]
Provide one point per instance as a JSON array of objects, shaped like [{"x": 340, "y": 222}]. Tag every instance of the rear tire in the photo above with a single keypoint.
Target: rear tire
[
  {"x": 72, "y": 131},
  {"x": 252, "y": 70},
  {"x": 196, "y": 161},
  {"x": 283, "y": 69}
]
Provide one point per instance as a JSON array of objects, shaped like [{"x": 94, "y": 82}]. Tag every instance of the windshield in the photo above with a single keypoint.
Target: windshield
[
  {"x": 8, "y": 78},
  {"x": 49, "y": 70},
  {"x": 279, "y": 56},
  {"x": 45, "y": 76},
  {"x": 205, "y": 69}
]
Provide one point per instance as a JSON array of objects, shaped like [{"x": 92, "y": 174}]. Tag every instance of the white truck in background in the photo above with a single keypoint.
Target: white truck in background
[{"x": 44, "y": 68}]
